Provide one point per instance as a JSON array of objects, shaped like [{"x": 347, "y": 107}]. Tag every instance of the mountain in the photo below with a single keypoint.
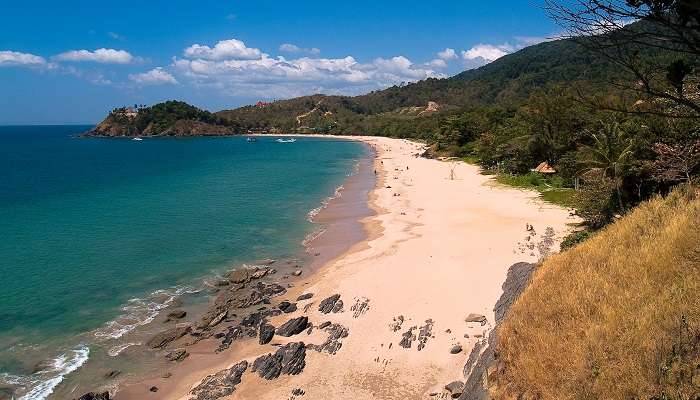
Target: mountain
[{"x": 508, "y": 81}]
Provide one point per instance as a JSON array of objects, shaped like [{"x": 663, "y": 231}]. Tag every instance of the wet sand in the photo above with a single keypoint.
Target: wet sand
[{"x": 436, "y": 250}]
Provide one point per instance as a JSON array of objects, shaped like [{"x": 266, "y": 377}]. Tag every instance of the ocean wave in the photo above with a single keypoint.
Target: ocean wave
[
  {"x": 324, "y": 203},
  {"x": 116, "y": 350},
  {"x": 139, "y": 312},
  {"x": 42, "y": 383}
]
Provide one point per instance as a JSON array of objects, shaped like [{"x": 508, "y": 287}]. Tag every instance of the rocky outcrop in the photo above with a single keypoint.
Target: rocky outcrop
[
  {"x": 95, "y": 396},
  {"x": 177, "y": 355},
  {"x": 480, "y": 359},
  {"x": 336, "y": 334},
  {"x": 289, "y": 359},
  {"x": 221, "y": 384},
  {"x": 164, "y": 338},
  {"x": 331, "y": 304},
  {"x": 267, "y": 332},
  {"x": 293, "y": 326},
  {"x": 287, "y": 307}
]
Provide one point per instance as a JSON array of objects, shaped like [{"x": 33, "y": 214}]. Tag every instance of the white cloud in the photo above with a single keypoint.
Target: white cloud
[
  {"x": 156, "y": 76},
  {"x": 437, "y": 63},
  {"x": 487, "y": 52},
  {"x": 447, "y": 54},
  {"x": 292, "y": 48},
  {"x": 104, "y": 56},
  {"x": 231, "y": 49},
  {"x": 280, "y": 77},
  {"x": 15, "y": 58}
]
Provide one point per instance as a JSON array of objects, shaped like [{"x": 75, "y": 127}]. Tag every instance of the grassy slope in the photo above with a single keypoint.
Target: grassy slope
[{"x": 602, "y": 319}]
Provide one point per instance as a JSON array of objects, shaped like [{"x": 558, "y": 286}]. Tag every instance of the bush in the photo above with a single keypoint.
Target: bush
[{"x": 573, "y": 239}]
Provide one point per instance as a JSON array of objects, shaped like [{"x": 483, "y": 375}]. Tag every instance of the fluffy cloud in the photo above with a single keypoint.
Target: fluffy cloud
[
  {"x": 156, "y": 76},
  {"x": 104, "y": 56},
  {"x": 14, "y": 58},
  {"x": 280, "y": 77},
  {"x": 292, "y": 48},
  {"x": 437, "y": 63},
  {"x": 233, "y": 49},
  {"x": 447, "y": 54},
  {"x": 487, "y": 52}
]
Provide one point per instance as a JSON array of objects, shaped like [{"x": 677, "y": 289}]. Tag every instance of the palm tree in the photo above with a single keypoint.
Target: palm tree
[{"x": 610, "y": 155}]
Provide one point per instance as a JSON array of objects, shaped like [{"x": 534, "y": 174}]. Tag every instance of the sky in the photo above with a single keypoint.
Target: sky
[{"x": 72, "y": 62}]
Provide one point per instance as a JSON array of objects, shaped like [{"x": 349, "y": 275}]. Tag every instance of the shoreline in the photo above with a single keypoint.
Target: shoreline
[
  {"x": 427, "y": 261},
  {"x": 88, "y": 373}
]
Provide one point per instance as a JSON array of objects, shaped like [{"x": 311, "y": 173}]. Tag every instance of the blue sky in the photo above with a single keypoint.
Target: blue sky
[{"x": 72, "y": 62}]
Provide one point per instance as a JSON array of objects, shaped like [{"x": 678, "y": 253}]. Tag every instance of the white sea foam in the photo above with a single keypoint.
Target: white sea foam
[
  {"x": 41, "y": 384},
  {"x": 313, "y": 213},
  {"x": 116, "y": 350},
  {"x": 139, "y": 312}
]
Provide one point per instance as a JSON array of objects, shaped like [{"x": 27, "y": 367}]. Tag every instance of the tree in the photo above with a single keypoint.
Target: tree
[
  {"x": 627, "y": 32},
  {"x": 610, "y": 156},
  {"x": 675, "y": 163}
]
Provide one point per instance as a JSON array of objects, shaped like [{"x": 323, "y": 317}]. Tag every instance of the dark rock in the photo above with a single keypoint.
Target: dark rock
[
  {"x": 407, "y": 338},
  {"x": 476, "y": 318},
  {"x": 455, "y": 389},
  {"x": 324, "y": 325},
  {"x": 177, "y": 314},
  {"x": 305, "y": 296},
  {"x": 297, "y": 272},
  {"x": 222, "y": 282},
  {"x": 298, "y": 392},
  {"x": 287, "y": 307},
  {"x": 330, "y": 304},
  {"x": 177, "y": 355},
  {"x": 95, "y": 396},
  {"x": 164, "y": 338},
  {"x": 293, "y": 326},
  {"x": 221, "y": 384},
  {"x": 289, "y": 359},
  {"x": 267, "y": 332},
  {"x": 153, "y": 389},
  {"x": 456, "y": 349},
  {"x": 334, "y": 342},
  {"x": 113, "y": 374}
]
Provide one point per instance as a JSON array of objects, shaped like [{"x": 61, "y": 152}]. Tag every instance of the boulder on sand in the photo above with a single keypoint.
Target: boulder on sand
[
  {"x": 287, "y": 307},
  {"x": 293, "y": 326},
  {"x": 305, "y": 296},
  {"x": 221, "y": 384},
  {"x": 476, "y": 318},
  {"x": 331, "y": 304},
  {"x": 95, "y": 396},
  {"x": 177, "y": 355},
  {"x": 289, "y": 359},
  {"x": 267, "y": 332}
]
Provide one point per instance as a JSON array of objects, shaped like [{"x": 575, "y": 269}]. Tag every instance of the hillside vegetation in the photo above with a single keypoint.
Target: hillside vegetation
[
  {"x": 616, "y": 317},
  {"x": 171, "y": 118}
]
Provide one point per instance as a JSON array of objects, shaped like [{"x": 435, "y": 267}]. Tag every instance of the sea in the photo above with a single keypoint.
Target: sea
[{"x": 97, "y": 236}]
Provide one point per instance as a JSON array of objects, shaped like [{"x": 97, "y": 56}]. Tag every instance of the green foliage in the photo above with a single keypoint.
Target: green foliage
[
  {"x": 574, "y": 238},
  {"x": 595, "y": 202}
]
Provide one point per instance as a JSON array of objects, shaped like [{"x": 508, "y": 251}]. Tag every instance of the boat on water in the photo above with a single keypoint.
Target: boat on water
[
  {"x": 251, "y": 139},
  {"x": 138, "y": 139},
  {"x": 292, "y": 140}
]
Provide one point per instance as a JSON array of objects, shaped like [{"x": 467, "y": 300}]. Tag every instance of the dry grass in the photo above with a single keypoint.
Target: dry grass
[{"x": 602, "y": 320}]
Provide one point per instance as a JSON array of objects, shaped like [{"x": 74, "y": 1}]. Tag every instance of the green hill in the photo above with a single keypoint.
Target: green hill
[{"x": 508, "y": 82}]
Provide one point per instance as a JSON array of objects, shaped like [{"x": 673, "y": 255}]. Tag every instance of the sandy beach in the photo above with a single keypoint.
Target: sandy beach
[{"x": 437, "y": 250}]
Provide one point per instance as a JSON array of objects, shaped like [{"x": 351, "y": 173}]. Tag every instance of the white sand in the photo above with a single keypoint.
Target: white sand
[{"x": 445, "y": 258}]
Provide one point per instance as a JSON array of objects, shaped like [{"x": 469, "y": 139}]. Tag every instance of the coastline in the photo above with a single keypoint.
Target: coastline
[{"x": 436, "y": 250}]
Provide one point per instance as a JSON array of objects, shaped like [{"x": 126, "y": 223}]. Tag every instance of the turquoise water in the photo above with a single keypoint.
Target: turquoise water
[{"x": 86, "y": 225}]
